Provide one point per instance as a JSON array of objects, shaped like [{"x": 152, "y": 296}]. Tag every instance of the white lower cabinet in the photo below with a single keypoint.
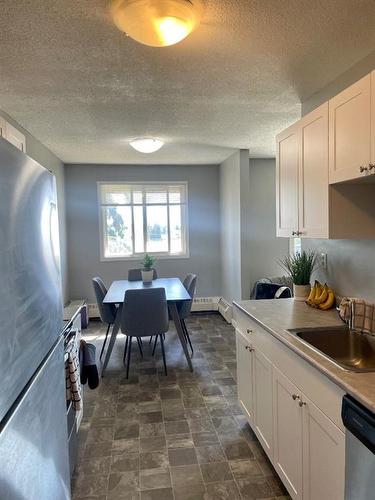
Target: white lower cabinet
[
  {"x": 305, "y": 446},
  {"x": 263, "y": 401},
  {"x": 323, "y": 455},
  {"x": 288, "y": 433},
  {"x": 245, "y": 375}
]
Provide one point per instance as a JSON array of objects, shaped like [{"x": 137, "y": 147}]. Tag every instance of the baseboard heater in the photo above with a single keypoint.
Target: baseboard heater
[
  {"x": 213, "y": 304},
  {"x": 200, "y": 304}
]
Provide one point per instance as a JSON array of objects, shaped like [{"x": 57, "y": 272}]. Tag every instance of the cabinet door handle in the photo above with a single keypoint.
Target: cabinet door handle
[
  {"x": 363, "y": 169},
  {"x": 294, "y": 233},
  {"x": 302, "y": 403},
  {"x": 248, "y": 348},
  {"x": 249, "y": 331},
  {"x": 371, "y": 166},
  {"x": 294, "y": 396}
]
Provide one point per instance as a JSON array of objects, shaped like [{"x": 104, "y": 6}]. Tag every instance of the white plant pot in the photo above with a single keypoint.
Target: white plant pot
[
  {"x": 301, "y": 292},
  {"x": 147, "y": 276}
]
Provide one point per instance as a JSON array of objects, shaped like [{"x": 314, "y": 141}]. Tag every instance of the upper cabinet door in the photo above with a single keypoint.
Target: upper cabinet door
[
  {"x": 313, "y": 174},
  {"x": 15, "y": 137},
  {"x": 2, "y": 127},
  {"x": 287, "y": 144},
  {"x": 350, "y": 132}
]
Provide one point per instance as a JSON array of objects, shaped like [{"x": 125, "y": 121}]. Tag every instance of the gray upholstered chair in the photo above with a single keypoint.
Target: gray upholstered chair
[
  {"x": 107, "y": 312},
  {"x": 145, "y": 313},
  {"x": 190, "y": 283},
  {"x": 136, "y": 274}
]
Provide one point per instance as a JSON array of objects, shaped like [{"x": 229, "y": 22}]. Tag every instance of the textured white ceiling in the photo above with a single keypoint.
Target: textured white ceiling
[{"x": 84, "y": 89}]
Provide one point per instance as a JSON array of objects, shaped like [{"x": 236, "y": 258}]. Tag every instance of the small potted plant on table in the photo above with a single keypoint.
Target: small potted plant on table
[
  {"x": 148, "y": 271},
  {"x": 300, "y": 268}
]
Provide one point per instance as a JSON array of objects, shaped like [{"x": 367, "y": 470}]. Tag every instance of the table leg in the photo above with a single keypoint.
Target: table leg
[
  {"x": 115, "y": 330},
  {"x": 176, "y": 318}
]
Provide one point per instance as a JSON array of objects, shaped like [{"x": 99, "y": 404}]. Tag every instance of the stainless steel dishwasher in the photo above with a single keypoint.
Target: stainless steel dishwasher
[{"x": 360, "y": 450}]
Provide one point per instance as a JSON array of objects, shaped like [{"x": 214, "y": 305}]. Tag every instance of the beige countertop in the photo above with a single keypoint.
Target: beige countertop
[{"x": 278, "y": 316}]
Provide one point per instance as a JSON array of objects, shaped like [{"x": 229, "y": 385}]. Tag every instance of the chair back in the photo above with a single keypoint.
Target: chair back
[
  {"x": 190, "y": 283},
  {"x": 145, "y": 312},
  {"x": 136, "y": 274},
  {"x": 107, "y": 311}
]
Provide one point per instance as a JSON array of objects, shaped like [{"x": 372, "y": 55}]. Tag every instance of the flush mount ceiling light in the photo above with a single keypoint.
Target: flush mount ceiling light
[
  {"x": 146, "y": 145},
  {"x": 157, "y": 23}
]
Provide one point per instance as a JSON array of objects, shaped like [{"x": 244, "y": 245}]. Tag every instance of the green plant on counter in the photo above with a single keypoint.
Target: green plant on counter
[
  {"x": 300, "y": 266},
  {"x": 148, "y": 262}
]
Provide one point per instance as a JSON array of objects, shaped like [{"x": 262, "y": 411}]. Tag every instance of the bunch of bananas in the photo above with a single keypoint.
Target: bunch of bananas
[{"x": 321, "y": 297}]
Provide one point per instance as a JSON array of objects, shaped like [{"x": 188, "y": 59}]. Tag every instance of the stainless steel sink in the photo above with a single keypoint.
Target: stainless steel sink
[{"x": 349, "y": 350}]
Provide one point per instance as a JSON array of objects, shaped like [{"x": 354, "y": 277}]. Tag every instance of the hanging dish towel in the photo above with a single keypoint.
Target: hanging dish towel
[
  {"x": 72, "y": 382},
  {"x": 359, "y": 314}
]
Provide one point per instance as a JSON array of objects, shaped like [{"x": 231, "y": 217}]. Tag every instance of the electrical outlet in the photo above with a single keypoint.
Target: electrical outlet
[{"x": 323, "y": 261}]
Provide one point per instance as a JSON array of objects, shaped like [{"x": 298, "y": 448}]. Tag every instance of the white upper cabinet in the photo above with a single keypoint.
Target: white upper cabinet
[
  {"x": 287, "y": 181},
  {"x": 15, "y": 137},
  {"x": 2, "y": 127},
  {"x": 313, "y": 174},
  {"x": 12, "y": 135},
  {"x": 302, "y": 177},
  {"x": 350, "y": 132}
]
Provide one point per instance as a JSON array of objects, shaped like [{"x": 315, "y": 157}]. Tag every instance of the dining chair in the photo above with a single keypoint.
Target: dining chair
[
  {"x": 145, "y": 313},
  {"x": 107, "y": 312},
  {"x": 136, "y": 274},
  {"x": 184, "y": 309}
]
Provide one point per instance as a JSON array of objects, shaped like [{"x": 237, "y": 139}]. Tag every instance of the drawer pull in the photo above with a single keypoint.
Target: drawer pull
[
  {"x": 294, "y": 396},
  {"x": 249, "y": 331},
  {"x": 302, "y": 403},
  {"x": 248, "y": 348},
  {"x": 363, "y": 169}
]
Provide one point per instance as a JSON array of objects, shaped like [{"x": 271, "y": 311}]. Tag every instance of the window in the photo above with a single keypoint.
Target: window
[
  {"x": 140, "y": 218},
  {"x": 295, "y": 245}
]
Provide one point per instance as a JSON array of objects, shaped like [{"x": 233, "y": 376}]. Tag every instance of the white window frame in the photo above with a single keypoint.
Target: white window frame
[{"x": 139, "y": 256}]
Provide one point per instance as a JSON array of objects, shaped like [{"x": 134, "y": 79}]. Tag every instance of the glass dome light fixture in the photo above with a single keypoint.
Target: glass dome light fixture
[
  {"x": 157, "y": 23},
  {"x": 146, "y": 145}
]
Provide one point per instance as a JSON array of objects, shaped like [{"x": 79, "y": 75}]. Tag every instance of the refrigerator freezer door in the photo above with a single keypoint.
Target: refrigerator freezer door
[
  {"x": 33, "y": 443},
  {"x": 30, "y": 289}
]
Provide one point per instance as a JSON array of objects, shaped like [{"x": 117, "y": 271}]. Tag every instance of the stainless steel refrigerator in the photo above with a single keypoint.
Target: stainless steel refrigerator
[{"x": 33, "y": 427}]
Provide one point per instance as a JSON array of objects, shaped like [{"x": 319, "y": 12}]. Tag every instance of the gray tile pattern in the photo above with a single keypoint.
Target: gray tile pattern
[{"x": 180, "y": 437}]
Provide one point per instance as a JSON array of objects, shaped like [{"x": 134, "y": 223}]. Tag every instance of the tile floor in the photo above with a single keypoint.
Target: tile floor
[{"x": 180, "y": 437}]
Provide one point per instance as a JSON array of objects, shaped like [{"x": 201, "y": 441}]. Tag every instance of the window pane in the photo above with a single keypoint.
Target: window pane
[
  {"x": 138, "y": 230},
  {"x": 157, "y": 195},
  {"x": 116, "y": 194},
  {"x": 175, "y": 194},
  {"x": 175, "y": 228},
  {"x": 137, "y": 197},
  {"x": 157, "y": 229},
  {"x": 117, "y": 225}
]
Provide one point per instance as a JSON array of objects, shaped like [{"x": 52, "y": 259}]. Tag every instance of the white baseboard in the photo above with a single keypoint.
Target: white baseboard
[{"x": 200, "y": 304}]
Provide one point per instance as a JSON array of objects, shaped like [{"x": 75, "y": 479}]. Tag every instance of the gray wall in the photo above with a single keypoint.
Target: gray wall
[
  {"x": 234, "y": 211},
  {"x": 45, "y": 157},
  {"x": 83, "y": 225},
  {"x": 264, "y": 248},
  {"x": 351, "y": 269}
]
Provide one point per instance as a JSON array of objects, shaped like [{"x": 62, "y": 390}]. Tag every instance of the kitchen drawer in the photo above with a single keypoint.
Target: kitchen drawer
[{"x": 243, "y": 323}]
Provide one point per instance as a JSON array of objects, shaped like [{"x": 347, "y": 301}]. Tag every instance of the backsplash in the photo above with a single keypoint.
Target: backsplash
[{"x": 350, "y": 266}]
